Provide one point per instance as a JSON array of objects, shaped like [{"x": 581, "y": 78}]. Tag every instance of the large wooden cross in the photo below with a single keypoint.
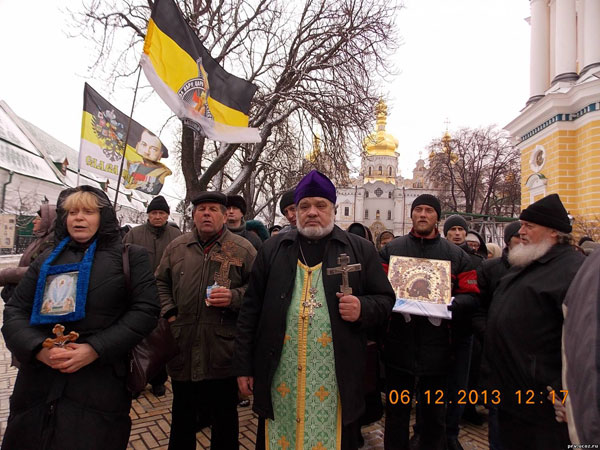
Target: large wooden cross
[
  {"x": 344, "y": 268},
  {"x": 61, "y": 339},
  {"x": 226, "y": 258}
]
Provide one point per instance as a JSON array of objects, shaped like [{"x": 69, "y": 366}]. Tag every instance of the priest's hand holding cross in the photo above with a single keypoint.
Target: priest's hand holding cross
[
  {"x": 349, "y": 307},
  {"x": 349, "y": 304}
]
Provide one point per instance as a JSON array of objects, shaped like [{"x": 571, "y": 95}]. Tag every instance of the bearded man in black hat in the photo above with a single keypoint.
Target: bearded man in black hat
[
  {"x": 301, "y": 343},
  {"x": 154, "y": 236},
  {"x": 524, "y": 328},
  {"x": 419, "y": 347}
]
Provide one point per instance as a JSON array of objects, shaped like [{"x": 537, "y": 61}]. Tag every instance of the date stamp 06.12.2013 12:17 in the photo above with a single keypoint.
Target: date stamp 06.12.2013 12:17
[{"x": 473, "y": 397}]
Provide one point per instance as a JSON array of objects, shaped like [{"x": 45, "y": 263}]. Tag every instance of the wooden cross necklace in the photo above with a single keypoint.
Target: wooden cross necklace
[{"x": 311, "y": 304}]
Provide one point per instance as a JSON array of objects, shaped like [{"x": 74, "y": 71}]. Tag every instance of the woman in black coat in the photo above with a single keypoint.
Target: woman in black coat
[{"x": 75, "y": 397}]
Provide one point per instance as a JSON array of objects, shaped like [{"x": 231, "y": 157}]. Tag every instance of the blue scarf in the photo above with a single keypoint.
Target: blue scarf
[{"x": 83, "y": 268}]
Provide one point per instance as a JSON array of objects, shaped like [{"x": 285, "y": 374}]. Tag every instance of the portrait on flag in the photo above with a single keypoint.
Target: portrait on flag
[
  {"x": 103, "y": 132},
  {"x": 422, "y": 286},
  {"x": 196, "y": 88}
]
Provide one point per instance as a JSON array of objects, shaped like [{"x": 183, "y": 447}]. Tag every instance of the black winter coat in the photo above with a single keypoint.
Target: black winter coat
[
  {"x": 418, "y": 347},
  {"x": 489, "y": 274},
  {"x": 262, "y": 318},
  {"x": 88, "y": 409},
  {"x": 524, "y": 330}
]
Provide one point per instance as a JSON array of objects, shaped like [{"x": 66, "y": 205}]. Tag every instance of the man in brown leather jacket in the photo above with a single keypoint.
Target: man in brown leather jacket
[{"x": 192, "y": 281}]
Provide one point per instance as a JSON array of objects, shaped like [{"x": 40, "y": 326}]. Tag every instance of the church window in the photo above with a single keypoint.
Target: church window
[
  {"x": 377, "y": 214},
  {"x": 390, "y": 194},
  {"x": 390, "y": 171},
  {"x": 366, "y": 194},
  {"x": 346, "y": 211},
  {"x": 378, "y": 192},
  {"x": 389, "y": 214},
  {"x": 370, "y": 170},
  {"x": 380, "y": 170},
  {"x": 366, "y": 213}
]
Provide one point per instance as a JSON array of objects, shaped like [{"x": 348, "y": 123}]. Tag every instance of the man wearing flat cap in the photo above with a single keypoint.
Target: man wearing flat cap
[
  {"x": 201, "y": 280},
  {"x": 236, "y": 210},
  {"x": 301, "y": 343},
  {"x": 418, "y": 348},
  {"x": 524, "y": 328},
  {"x": 154, "y": 236}
]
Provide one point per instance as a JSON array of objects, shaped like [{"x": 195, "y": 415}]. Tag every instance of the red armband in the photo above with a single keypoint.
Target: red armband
[{"x": 467, "y": 283}]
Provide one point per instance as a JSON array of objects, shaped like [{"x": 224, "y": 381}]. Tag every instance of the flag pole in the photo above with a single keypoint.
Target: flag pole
[{"x": 127, "y": 136}]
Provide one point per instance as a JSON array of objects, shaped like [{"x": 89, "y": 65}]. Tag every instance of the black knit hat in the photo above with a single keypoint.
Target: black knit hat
[
  {"x": 237, "y": 201},
  {"x": 429, "y": 200},
  {"x": 511, "y": 230},
  {"x": 455, "y": 221},
  {"x": 548, "y": 212},
  {"x": 287, "y": 199},
  {"x": 158, "y": 203},
  {"x": 210, "y": 197}
]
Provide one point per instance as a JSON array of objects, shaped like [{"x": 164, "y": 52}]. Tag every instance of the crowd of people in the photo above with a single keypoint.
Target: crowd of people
[{"x": 298, "y": 319}]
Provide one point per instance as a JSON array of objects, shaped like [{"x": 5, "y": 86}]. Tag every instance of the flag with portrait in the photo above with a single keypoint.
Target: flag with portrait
[{"x": 103, "y": 132}]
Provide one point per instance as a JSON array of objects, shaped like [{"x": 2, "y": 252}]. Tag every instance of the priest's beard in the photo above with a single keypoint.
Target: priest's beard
[
  {"x": 523, "y": 255},
  {"x": 315, "y": 232}
]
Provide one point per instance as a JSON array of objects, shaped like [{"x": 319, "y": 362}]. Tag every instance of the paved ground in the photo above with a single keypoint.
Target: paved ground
[{"x": 151, "y": 418}]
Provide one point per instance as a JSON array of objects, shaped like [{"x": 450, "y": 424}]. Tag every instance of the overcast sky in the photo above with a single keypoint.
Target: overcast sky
[{"x": 466, "y": 61}]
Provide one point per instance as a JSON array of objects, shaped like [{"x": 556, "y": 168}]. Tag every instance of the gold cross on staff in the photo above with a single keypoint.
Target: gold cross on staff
[
  {"x": 344, "y": 268},
  {"x": 226, "y": 258},
  {"x": 60, "y": 340}
]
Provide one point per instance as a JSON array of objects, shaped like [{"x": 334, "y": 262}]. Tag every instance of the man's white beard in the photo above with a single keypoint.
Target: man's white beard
[
  {"x": 523, "y": 255},
  {"x": 313, "y": 232}
]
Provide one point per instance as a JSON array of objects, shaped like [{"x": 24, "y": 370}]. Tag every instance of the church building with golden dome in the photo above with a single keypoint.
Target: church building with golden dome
[{"x": 380, "y": 198}]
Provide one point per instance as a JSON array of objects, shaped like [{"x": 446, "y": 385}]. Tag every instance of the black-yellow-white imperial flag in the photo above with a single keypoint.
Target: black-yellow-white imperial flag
[{"x": 191, "y": 82}]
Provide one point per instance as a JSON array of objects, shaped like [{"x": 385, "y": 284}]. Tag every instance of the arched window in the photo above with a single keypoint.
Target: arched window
[
  {"x": 377, "y": 214},
  {"x": 366, "y": 194},
  {"x": 366, "y": 213},
  {"x": 369, "y": 170},
  {"x": 389, "y": 214},
  {"x": 380, "y": 170},
  {"x": 390, "y": 171},
  {"x": 390, "y": 194}
]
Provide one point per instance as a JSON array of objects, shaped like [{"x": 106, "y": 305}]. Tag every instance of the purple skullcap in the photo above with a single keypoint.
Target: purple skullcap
[{"x": 315, "y": 184}]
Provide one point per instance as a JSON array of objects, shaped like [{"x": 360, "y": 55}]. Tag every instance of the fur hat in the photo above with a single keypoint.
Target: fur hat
[{"x": 237, "y": 201}]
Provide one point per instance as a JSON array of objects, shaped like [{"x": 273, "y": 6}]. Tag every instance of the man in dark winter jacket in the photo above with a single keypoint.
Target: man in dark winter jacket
[
  {"x": 489, "y": 274},
  {"x": 456, "y": 230},
  {"x": 301, "y": 343},
  {"x": 418, "y": 346},
  {"x": 201, "y": 281},
  {"x": 236, "y": 210},
  {"x": 524, "y": 328},
  {"x": 154, "y": 236}
]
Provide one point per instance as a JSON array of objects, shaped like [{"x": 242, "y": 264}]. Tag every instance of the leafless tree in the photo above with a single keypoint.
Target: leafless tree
[
  {"x": 477, "y": 170},
  {"x": 319, "y": 66}
]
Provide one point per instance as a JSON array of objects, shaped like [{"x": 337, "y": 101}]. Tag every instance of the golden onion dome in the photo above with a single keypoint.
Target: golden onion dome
[{"x": 380, "y": 143}]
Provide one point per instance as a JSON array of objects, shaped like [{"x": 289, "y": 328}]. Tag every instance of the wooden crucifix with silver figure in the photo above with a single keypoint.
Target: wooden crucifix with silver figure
[
  {"x": 226, "y": 258},
  {"x": 61, "y": 338},
  {"x": 344, "y": 268}
]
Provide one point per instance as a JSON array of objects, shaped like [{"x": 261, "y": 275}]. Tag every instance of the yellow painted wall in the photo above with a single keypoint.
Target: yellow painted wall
[{"x": 572, "y": 167}]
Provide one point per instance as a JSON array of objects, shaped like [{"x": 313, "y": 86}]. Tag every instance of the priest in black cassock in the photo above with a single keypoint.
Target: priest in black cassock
[{"x": 301, "y": 343}]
